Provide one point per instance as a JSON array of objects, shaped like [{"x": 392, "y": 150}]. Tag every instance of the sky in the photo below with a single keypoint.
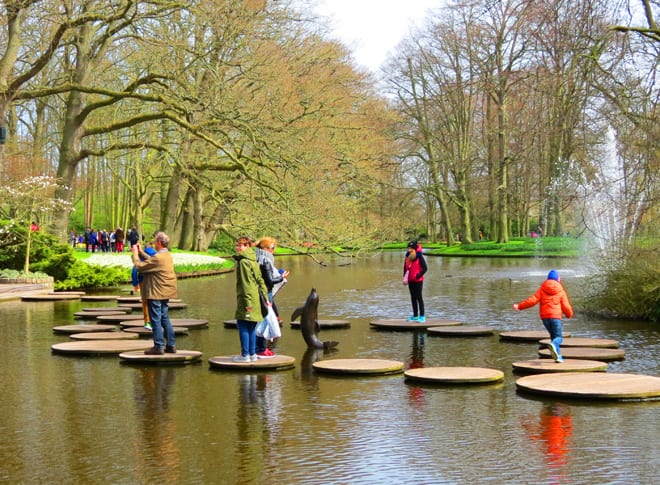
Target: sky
[{"x": 372, "y": 28}]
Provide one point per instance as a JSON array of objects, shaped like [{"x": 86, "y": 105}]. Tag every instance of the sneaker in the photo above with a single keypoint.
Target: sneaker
[
  {"x": 253, "y": 358},
  {"x": 412, "y": 318},
  {"x": 154, "y": 351},
  {"x": 421, "y": 319},
  {"x": 147, "y": 325},
  {"x": 266, "y": 354},
  {"x": 559, "y": 359},
  {"x": 242, "y": 359},
  {"x": 170, "y": 349},
  {"x": 553, "y": 351}
]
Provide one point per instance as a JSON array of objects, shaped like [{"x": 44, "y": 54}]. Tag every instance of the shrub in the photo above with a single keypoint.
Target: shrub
[
  {"x": 630, "y": 289},
  {"x": 82, "y": 275}
]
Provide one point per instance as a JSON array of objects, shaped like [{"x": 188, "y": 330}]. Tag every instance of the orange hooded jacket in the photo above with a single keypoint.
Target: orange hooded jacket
[{"x": 553, "y": 299}]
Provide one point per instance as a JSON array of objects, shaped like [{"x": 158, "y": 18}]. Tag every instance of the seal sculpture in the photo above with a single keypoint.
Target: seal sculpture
[{"x": 309, "y": 323}]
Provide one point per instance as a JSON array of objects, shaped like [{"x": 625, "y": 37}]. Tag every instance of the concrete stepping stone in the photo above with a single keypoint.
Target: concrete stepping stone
[
  {"x": 588, "y": 353},
  {"x": 403, "y": 324},
  {"x": 92, "y": 309},
  {"x": 99, "y": 298},
  {"x": 120, "y": 318},
  {"x": 359, "y": 366},
  {"x": 278, "y": 362},
  {"x": 180, "y": 357},
  {"x": 145, "y": 332},
  {"x": 461, "y": 331},
  {"x": 51, "y": 297},
  {"x": 527, "y": 335},
  {"x": 540, "y": 366},
  {"x": 94, "y": 315},
  {"x": 104, "y": 336},
  {"x": 71, "y": 329},
  {"x": 454, "y": 375},
  {"x": 97, "y": 347},
  {"x": 592, "y": 385},
  {"x": 138, "y": 299},
  {"x": 326, "y": 324},
  {"x": 189, "y": 323},
  {"x": 585, "y": 342},
  {"x": 71, "y": 292},
  {"x": 138, "y": 306}
]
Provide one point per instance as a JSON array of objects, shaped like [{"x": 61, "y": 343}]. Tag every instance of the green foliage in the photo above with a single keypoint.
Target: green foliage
[
  {"x": 13, "y": 274},
  {"x": 47, "y": 254},
  {"x": 82, "y": 275},
  {"x": 547, "y": 246},
  {"x": 223, "y": 244},
  {"x": 627, "y": 290}
]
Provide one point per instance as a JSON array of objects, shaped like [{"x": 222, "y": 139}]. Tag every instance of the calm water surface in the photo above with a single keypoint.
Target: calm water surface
[{"x": 69, "y": 419}]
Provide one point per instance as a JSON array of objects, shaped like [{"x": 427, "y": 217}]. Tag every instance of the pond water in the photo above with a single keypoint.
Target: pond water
[{"x": 69, "y": 419}]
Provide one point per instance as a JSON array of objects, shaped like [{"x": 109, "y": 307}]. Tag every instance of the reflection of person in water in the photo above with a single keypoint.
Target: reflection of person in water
[
  {"x": 554, "y": 431},
  {"x": 416, "y": 361},
  {"x": 158, "y": 442},
  {"x": 258, "y": 424}
]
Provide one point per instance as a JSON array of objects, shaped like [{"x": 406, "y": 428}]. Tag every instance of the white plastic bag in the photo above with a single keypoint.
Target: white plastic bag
[{"x": 269, "y": 327}]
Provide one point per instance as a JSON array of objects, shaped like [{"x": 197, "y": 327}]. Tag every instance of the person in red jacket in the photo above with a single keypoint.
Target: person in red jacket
[
  {"x": 415, "y": 267},
  {"x": 554, "y": 301}
]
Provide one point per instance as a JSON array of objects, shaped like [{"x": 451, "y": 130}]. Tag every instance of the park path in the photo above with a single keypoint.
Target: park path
[{"x": 10, "y": 291}]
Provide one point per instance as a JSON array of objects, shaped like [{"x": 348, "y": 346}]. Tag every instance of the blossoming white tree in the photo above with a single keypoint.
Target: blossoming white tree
[{"x": 30, "y": 199}]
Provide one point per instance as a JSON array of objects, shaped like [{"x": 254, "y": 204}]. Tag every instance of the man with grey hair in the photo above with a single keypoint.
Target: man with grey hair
[{"x": 158, "y": 287}]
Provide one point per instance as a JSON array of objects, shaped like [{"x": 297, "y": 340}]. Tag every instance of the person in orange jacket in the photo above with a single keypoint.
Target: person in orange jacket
[{"x": 554, "y": 302}]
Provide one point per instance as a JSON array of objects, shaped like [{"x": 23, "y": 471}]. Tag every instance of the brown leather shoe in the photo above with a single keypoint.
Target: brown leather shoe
[
  {"x": 170, "y": 349},
  {"x": 154, "y": 351}
]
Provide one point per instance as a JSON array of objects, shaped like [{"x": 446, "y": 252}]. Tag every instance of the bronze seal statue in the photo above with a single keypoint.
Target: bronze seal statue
[{"x": 309, "y": 323}]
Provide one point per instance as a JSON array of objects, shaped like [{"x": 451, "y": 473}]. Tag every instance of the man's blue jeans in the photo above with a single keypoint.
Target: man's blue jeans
[
  {"x": 248, "y": 336},
  {"x": 553, "y": 326},
  {"x": 160, "y": 323}
]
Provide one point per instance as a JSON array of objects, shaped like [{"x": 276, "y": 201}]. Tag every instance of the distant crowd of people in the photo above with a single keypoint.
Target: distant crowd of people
[{"x": 105, "y": 241}]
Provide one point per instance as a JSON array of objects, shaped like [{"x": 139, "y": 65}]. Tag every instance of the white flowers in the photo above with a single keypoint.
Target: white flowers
[{"x": 124, "y": 260}]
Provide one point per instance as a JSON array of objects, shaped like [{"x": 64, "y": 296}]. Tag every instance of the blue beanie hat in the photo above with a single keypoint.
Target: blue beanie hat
[{"x": 553, "y": 275}]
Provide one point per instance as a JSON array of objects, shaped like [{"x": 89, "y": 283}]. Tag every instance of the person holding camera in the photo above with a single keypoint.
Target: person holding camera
[{"x": 158, "y": 287}]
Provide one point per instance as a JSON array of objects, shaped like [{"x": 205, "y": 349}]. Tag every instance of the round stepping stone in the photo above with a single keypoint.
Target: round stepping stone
[
  {"x": 189, "y": 323},
  {"x": 145, "y": 332},
  {"x": 138, "y": 299},
  {"x": 99, "y": 298},
  {"x": 278, "y": 362},
  {"x": 527, "y": 335},
  {"x": 592, "y": 385},
  {"x": 585, "y": 342},
  {"x": 326, "y": 324},
  {"x": 121, "y": 318},
  {"x": 94, "y": 315},
  {"x": 138, "y": 306},
  {"x": 80, "y": 293},
  {"x": 104, "y": 336},
  {"x": 91, "y": 347},
  {"x": 403, "y": 324},
  {"x": 71, "y": 329},
  {"x": 230, "y": 324},
  {"x": 359, "y": 366},
  {"x": 50, "y": 297},
  {"x": 461, "y": 331},
  {"x": 106, "y": 309},
  {"x": 454, "y": 375},
  {"x": 180, "y": 357},
  {"x": 588, "y": 353},
  {"x": 540, "y": 366}
]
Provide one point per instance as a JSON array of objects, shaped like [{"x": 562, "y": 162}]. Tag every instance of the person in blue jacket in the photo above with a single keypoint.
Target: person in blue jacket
[{"x": 136, "y": 279}]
